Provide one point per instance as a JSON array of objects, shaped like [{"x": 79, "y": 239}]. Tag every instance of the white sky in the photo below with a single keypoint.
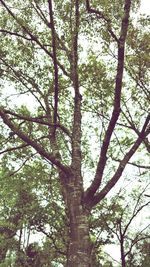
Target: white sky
[{"x": 145, "y": 6}]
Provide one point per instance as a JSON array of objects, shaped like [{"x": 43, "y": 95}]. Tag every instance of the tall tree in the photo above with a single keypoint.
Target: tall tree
[{"x": 69, "y": 59}]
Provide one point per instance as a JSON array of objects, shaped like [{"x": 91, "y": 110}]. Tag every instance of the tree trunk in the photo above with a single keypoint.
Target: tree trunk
[{"x": 79, "y": 252}]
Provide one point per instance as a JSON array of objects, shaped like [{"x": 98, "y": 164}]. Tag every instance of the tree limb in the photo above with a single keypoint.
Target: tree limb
[
  {"x": 15, "y": 34},
  {"x": 121, "y": 167},
  {"x": 101, "y": 15},
  {"x": 52, "y": 158},
  {"x": 76, "y": 132},
  {"x": 39, "y": 120},
  {"x": 54, "y": 52},
  {"x": 133, "y": 164},
  {"x": 117, "y": 103},
  {"x": 33, "y": 37}
]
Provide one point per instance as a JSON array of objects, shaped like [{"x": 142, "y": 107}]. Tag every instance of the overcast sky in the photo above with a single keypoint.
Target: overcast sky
[{"x": 145, "y": 6}]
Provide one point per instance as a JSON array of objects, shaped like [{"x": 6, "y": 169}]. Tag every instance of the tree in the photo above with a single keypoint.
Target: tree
[
  {"x": 120, "y": 217},
  {"x": 28, "y": 205},
  {"x": 77, "y": 102},
  {"x": 145, "y": 248}
]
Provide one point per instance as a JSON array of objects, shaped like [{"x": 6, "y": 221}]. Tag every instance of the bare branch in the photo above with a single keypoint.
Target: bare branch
[
  {"x": 41, "y": 14},
  {"x": 133, "y": 164},
  {"x": 22, "y": 165},
  {"x": 134, "y": 128},
  {"x": 23, "y": 78},
  {"x": 138, "y": 239},
  {"x": 135, "y": 210},
  {"x": 48, "y": 24},
  {"x": 50, "y": 236},
  {"x": 9, "y": 149}
]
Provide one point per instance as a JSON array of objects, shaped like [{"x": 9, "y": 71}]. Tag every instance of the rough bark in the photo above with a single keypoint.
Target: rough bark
[
  {"x": 79, "y": 241},
  {"x": 79, "y": 252}
]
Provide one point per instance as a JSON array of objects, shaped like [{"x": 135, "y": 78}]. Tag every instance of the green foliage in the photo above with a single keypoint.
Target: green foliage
[{"x": 31, "y": 192}]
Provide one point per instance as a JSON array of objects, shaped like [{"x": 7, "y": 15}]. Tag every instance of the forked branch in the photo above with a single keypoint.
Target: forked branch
[{"x": 145, "y": 132}]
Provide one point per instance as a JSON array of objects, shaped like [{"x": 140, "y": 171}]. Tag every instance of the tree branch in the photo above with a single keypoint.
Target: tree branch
[
  {"x": 101, "y": 15},
  {"x": 15, "y": 34},
  {"x": 137, "y": 239},
  {"x": 9, "y": 149},
  {"x": 121, "y": 166},
  {"x": 76, "y": 132},
  {"x": 133, "y": 164},
  {"x": 130, "y": 121},
  {"x": 22, "y": 165},
  {"x": 39, "y": 120},
  {"x": 117, "y": 102},
  {"x": 41, "y": 14},
  {"x": 52, "y": 158},
  {"x": 135, "y": 210},
  {"x": 34, "y": 38},
  {"x": 56, "y": 80},
  {"x": 50, "y": 236},
  {"x": 13, "y": 148},
  {"x": 23, "y": 78}
]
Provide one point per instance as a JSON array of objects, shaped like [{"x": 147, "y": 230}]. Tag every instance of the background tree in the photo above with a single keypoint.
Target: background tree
[
  {"x": 119, "y": 219},
  {"x": 29, "y": 205},
  {"x": 78, "y": 99}
]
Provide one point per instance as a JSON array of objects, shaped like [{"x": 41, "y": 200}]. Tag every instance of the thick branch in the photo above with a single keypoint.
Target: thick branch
[
  {"x": 76, "y": 133},
  {"x": 54, "y": 52},
  {"x": 120, "y": 169},
  {"x": 52, "y": 158},
  {"x": 117, "y": 102}
]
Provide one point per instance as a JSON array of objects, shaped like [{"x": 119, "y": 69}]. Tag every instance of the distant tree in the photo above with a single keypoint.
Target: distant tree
[
  {"x": 145, "y": 252},
  {"x": 120, "y": 218}
]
